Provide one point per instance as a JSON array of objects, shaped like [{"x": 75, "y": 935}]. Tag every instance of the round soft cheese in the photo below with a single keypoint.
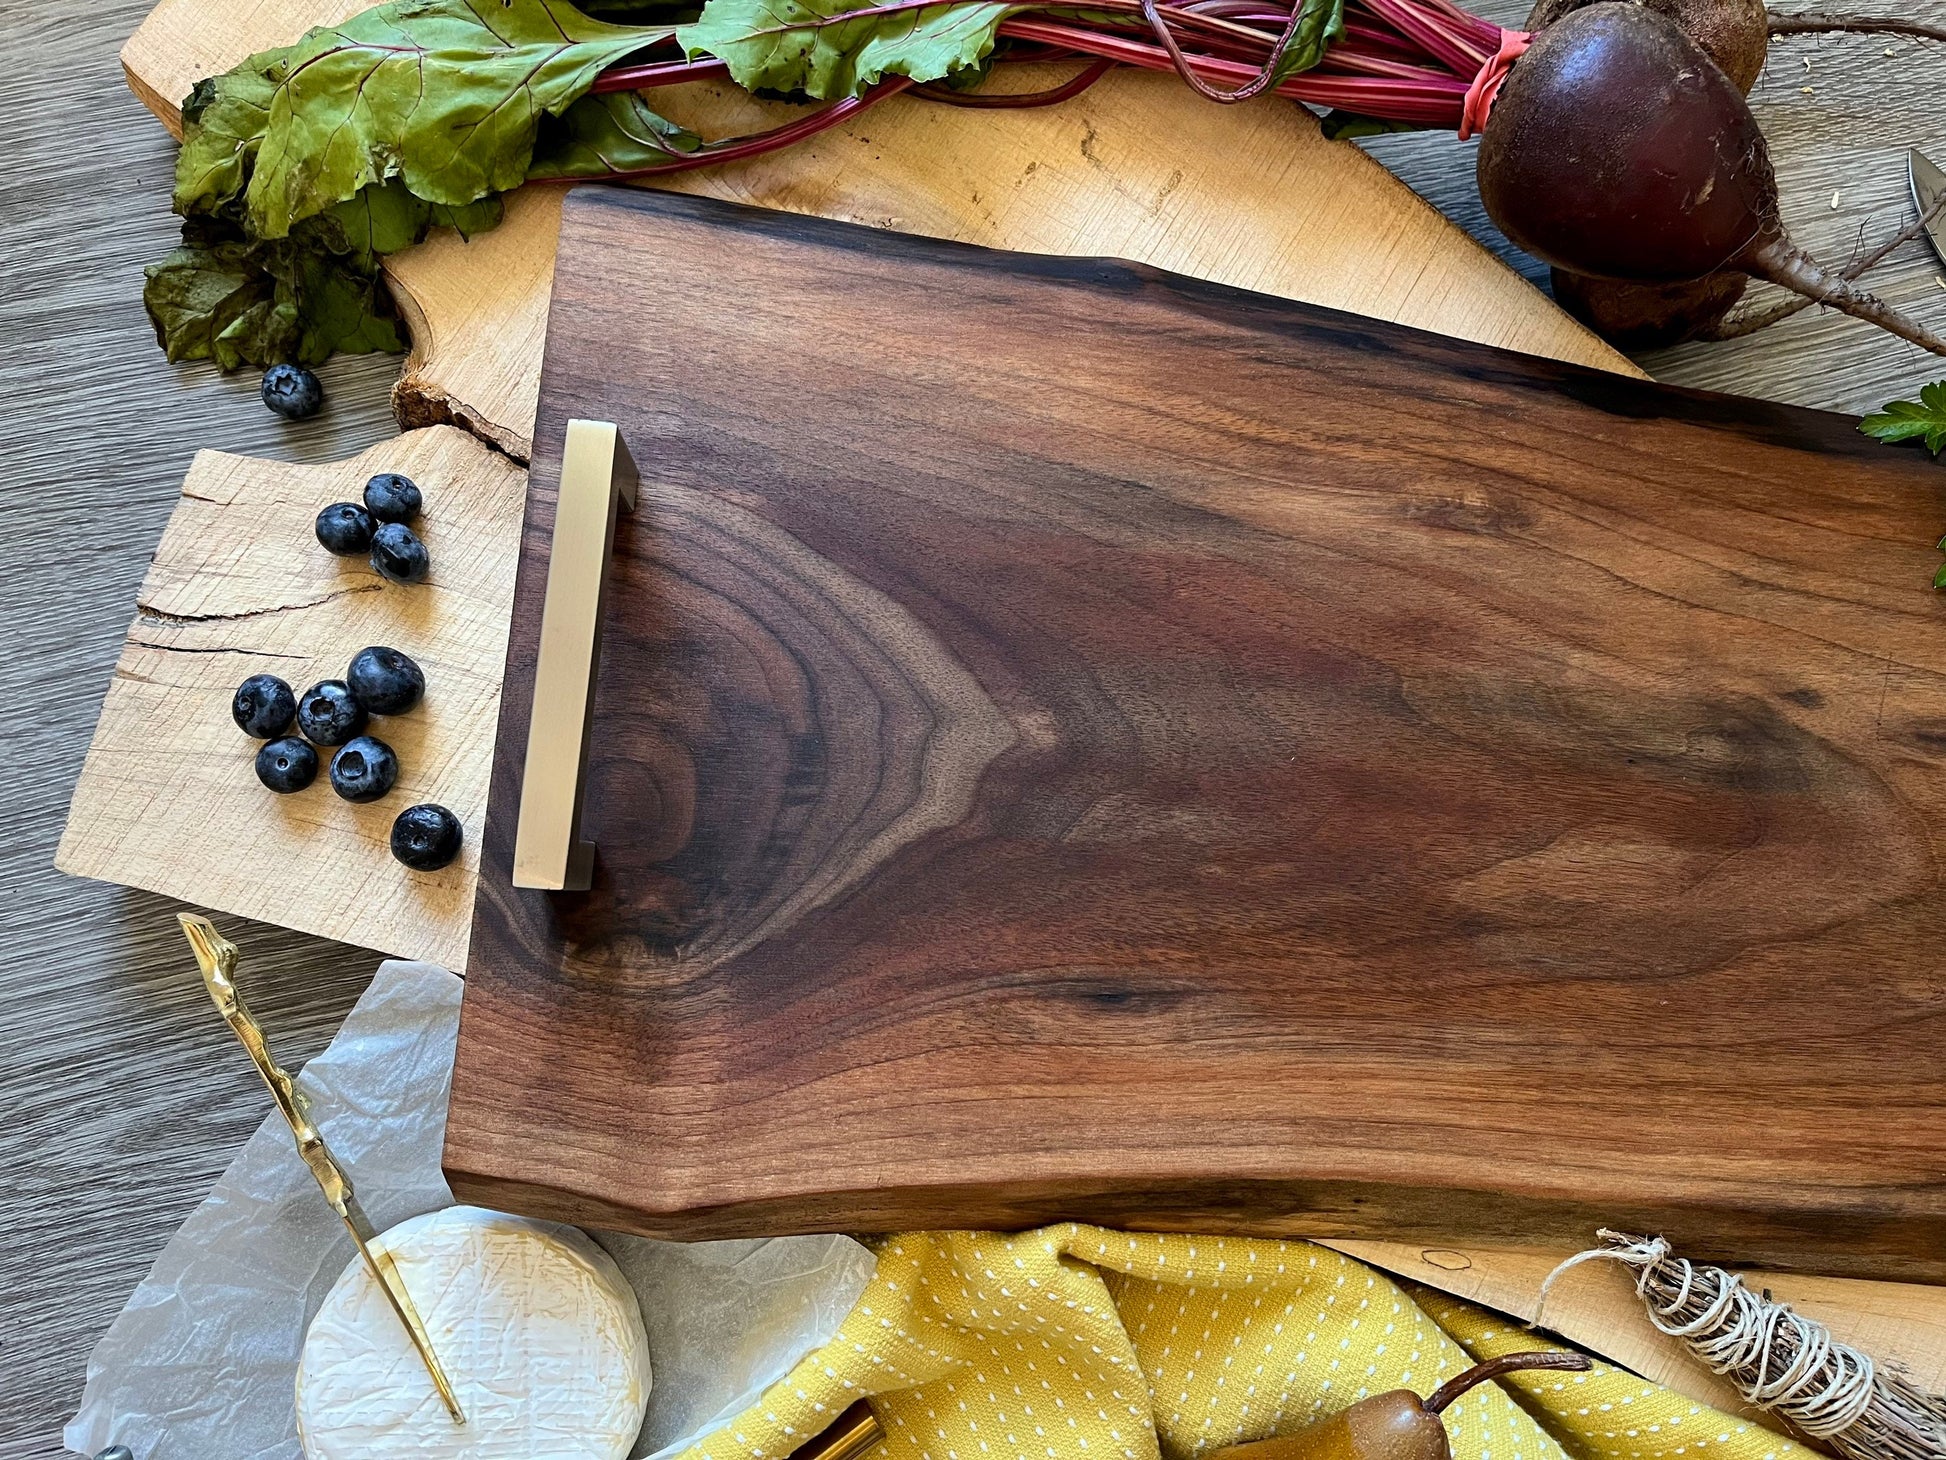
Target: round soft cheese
[{"x": 534, "y": 1325}]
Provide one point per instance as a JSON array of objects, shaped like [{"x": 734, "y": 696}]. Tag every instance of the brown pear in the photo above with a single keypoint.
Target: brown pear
[{"x": 1396, "y": 1425}]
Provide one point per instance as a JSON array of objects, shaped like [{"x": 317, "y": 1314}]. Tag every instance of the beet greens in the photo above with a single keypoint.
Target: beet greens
[{"x": 306, "y": 164}]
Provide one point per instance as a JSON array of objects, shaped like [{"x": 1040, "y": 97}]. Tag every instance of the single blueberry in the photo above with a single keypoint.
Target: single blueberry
[
  {"x": 292, "y": 391},
  {"x": 115, "y": 1452},
  {"x": 392, "y": 498},
  {"x": 385, "y": 681},
  {"x": 398, "y": 554},
  {"x": 345, "y": 528},
  {"x": 364, "y": 769},
  {"x": 426, "y": 837},
  {"x": 329, "y": 714},
  {"x": 287, "y": 765},
  {"x": 263, "y": 706}
]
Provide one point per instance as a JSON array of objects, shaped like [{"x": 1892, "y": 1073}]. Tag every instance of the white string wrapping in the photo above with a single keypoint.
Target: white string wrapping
[{"x": 1778, "y": 1359}]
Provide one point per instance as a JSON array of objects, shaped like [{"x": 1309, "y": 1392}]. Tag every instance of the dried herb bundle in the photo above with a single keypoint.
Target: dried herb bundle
[{"x": 1779, "y": 1359}]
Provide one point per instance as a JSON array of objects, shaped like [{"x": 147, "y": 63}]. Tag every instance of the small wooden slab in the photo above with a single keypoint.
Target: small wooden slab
[
  {"x": 1077, "y": 742},
  {"x": 1595, "y": 1306},
  {"x": 1138, "y": 167},
  {"x": 168, "y": 799}
]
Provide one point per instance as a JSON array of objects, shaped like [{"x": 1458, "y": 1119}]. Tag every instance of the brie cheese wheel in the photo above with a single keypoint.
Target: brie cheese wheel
[{"x": 534, "y": 1325}]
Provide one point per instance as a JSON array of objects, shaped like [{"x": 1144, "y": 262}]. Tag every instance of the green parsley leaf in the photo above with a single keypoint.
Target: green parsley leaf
[{"x": 1907, "y": 420}]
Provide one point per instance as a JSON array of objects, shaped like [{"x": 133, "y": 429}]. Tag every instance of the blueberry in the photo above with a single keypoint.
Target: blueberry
[
  {"x": 287, "y": 765},
  {"x": 364, "y": 769},
  {"x": 426, "y": 837},
  {"x": 384, "y": 681},
  {"x": 398, "y": 554},
  {"x": 292, "y": 391},
  {"x": 345, "y": 528},
  {"x": 329, "y": 714},
  {"x": 116, "y": 1452},
  {"x": 263, "y": 706},
  {"x": 392, "y": 498}
]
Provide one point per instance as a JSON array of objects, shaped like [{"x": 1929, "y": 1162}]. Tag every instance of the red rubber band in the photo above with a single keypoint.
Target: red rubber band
[{"x": 1486, "y": 86}]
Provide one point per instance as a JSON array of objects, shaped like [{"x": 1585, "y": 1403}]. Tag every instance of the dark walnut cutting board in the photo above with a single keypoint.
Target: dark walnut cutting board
[{"x": 1077, "y": 742}]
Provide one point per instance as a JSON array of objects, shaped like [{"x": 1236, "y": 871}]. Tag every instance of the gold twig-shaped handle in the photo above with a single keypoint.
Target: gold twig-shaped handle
[{"x": 217, "y": 957}]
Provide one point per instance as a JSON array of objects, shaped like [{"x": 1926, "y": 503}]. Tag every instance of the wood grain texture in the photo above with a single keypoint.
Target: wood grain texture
[
  {"x": 1079, "y": 742},
  {"x": 1137, "y": 168},
  {"x": 123, "y": 1097},
  {"x": 1595, "y": 1307},
  {"x": 168, "y": 800}
]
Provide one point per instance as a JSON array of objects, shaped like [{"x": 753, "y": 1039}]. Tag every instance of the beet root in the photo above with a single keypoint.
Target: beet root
[
  {"x": 1733, "y": 33},
  {"x": 1649, "y": 316},
  {"x": 1618, "y": 150}
]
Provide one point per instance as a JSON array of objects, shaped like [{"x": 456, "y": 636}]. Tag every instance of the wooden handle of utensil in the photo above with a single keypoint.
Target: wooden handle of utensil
[{"x": 597, "y": 480}]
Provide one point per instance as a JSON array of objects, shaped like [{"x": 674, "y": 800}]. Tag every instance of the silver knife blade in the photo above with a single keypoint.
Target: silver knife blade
[{"x": 1928, "y": 183}]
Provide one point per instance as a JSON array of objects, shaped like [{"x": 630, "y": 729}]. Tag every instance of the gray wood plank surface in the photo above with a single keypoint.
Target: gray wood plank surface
[{"x": 121, "y": 1096}]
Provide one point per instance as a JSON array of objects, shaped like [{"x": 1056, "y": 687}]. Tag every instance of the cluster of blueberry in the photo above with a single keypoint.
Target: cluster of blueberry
[
  {"x": 334, "y": 713},
  {"x": 379, "y": 528}
]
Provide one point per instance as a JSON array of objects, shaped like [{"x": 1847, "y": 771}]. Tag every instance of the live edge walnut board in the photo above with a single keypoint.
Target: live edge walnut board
[{"x": 1076, "y": 742}]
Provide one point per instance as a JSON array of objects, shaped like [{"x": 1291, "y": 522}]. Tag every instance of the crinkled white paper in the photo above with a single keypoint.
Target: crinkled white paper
[{"x": 202, "y": 1362}]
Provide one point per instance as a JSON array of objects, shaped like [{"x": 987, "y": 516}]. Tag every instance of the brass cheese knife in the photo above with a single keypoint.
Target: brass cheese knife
[{"x": 217, "y": 957}]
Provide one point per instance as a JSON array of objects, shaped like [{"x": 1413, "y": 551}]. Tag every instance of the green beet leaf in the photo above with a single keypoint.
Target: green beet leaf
[
  {"x": 1909, "y": 420},
  {"x": 822, "y": 49},
  {"x": 305, "y": 165},
  {"x": 1340, "y": 126},
  {"x": 445, "y": 95},
  {"x": 610, "y": 133},
  {"x": 1320, "y": 26},
  {"x": 239, "y": 301},
  {"x": 223, "y": 125},
  {"x": 198, "y": 294}
]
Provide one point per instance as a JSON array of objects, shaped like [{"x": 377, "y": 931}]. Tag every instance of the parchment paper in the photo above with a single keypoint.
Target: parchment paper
[{"x": 202, "y": 1363}]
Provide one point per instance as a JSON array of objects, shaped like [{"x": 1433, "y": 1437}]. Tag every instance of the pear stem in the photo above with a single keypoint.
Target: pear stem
[
  {"x": 1446, "y": 1393},
  {"x": 1783, "y": 262}
]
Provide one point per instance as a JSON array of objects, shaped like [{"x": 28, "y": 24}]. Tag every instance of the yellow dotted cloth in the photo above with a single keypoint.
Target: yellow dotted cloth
[{"x": 1080, "y": 1343}]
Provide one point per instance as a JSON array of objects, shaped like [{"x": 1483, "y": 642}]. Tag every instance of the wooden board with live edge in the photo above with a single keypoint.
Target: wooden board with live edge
[{"x": 1075, "y": 741}]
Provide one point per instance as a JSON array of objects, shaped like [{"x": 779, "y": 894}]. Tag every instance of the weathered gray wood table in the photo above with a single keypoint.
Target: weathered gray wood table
[{"x": 121, "y": 1096}]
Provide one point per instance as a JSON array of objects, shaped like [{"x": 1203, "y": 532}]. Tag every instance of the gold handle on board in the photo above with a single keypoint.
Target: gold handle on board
[{"x": 598, "y": 478}]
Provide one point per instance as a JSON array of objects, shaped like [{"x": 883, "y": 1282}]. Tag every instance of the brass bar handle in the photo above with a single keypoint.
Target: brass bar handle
[{"x": 597, "y": 479}]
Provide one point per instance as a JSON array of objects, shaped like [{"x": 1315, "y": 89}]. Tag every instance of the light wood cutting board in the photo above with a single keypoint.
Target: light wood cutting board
[
  {"x": 168, "y": 799},
  {"x": 1137, "y": 168}
]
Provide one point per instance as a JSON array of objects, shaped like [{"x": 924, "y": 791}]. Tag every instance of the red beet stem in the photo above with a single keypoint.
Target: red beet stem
[
  {"x": 1017, "y": 99},
  {"x": 661, "y": 73},
  {"x": 1403, "y": 60},
  {"x": 738, "y": 148},
  {"x": 1437, "y": 102}
]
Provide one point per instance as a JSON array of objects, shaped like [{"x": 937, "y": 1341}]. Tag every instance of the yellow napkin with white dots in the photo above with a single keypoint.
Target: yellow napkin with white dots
[{"x": 1079, "y": 1343}]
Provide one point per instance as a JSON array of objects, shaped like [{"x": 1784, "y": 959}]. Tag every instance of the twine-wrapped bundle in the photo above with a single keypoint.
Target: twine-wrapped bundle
[{"x": 1779, "y": 1359}]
